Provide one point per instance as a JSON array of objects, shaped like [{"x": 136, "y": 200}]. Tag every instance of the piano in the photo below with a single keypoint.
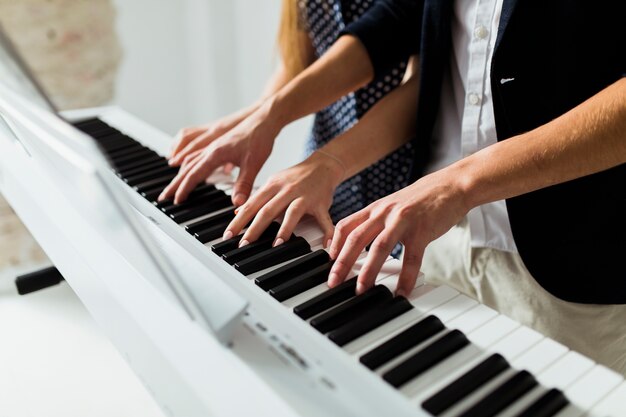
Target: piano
[{"x": 297, "y": 348}]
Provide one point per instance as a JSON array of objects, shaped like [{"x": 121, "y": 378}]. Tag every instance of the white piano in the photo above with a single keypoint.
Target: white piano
[{"x": 215, "y": 330}]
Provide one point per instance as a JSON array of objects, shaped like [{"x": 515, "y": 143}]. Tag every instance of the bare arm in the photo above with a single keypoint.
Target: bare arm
[{"x": 589, "y": 138}]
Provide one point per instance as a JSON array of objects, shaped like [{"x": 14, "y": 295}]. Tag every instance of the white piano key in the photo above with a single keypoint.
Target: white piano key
[
  {"x": 565, "y": 371},
  {"x": 473, "y": 318},
  {"x": 492, "y": 331},
  {"x": 454, "y": 308},
  {"x": 516, "y": 343},
  {"x": 540, "y": 356},
  {"x": 524, "y": 402},
  {"x": 613, "y": 405},
  {"x": 592, "y": 387}
]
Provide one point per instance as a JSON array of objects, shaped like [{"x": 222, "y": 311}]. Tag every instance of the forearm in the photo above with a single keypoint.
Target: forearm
[
  {"x": 588, "y": 139},
  {"x": 342, "y": 69},
  {"x": 384, "y": 128}
]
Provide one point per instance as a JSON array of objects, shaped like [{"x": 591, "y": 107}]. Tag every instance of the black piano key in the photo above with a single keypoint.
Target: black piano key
[
  {"x": 254, "y": 248},
  {"x": 233, "y": 243},
  {"x": 503, "y": 396},
  {"x": 299, "y": 284},
  {"x": 152, "y": 194},
  {"x": 218, "y": 203},
  {"x": 161, "y": 183},
  {"x": 195, "y": 195},
  {"x": 348, "y": 311},
  {"x": 413, "y": 336},
  {"x": 97, "y": 133},
  {"x": 216, "y": 219},
  {"x": 117, "y": 142},
  {"x": 370, "y": 321},
  {"x": 292, "y": 269},
  {"x": 120, "y": 166},
  {"x": 291, "y": 249},
  {"x": 87, "y": 124},
  {"x": 212, "y": 233},
  {"x": 122, "y": 149},
  {"x": 547, "y": 405},
  {"x": 153, "y": 174},
  {"x": 142, "y": 168},
  {"x": 460, "y": 388},
  {"x": 190, "y": 203},
  {"x": 136, "y": 164},
  {"x": 426, "y": 358},
  {"x": 134, "y": 156},
  {"x": 326, "y": 300}
]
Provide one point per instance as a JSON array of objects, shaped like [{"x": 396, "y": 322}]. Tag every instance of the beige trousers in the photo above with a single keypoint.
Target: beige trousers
[{"x": 500, "y": 280}]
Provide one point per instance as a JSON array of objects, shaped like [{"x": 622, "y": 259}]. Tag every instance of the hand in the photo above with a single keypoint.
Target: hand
[
  {"x": 247, "y": 146},
  {"x": 306, "y": 188},
  {"x": 415, "y": 216}
]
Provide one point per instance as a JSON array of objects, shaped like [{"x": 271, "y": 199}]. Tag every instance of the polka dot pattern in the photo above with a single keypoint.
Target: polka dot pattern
[{"x": 325, "y": 19}]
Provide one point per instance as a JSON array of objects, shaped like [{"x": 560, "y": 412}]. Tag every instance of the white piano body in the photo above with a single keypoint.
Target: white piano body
[{"x": 275, "y": 364}]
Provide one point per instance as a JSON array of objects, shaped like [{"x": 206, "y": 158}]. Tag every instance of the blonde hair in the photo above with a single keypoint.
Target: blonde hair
[{"x": 290, "y": 38}]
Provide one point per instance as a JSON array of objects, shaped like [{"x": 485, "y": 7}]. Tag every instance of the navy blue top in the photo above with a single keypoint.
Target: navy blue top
[
  {"x": 325, "y": 20},
  {"x": 571, "y": 236}
]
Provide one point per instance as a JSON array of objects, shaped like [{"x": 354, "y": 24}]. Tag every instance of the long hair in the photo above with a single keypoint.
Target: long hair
[{"x": 290, "y": 36}]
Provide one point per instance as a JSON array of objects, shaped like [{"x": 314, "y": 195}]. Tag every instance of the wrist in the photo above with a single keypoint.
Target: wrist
[
  {"x": 465, "y": 183},
  {"x": 334, "y": 168}
]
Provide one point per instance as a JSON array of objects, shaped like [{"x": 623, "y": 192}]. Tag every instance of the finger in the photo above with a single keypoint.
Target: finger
[
  {"x": 195, "y": 175},
  {"x": 263, "y": 218},
  {"x": 173, "y": 186},
  {"x": 293, "y": 214},
  {"x": 356, "y": 241},
  {"x": 228, "y": 168},
  {"x": 343, "y": 229},
  {"x": 183, "y": 137},
  {"x": 326, "y": 224},
  {"x": 376, "y": 257},
  {"x": 245, "y": 213},
  {"x": 197, "y": 144},
  {"x": 243, "y": 185},
  {"x": 411, "y": 264},
  {"x": 191, "y": 157}
]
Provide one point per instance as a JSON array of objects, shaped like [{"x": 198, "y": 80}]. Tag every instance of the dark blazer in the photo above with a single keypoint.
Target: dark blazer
[{"x": 571, "y": 236}]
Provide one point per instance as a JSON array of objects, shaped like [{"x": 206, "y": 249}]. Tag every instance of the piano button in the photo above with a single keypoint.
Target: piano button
[
  {"x": 227, "y": 245},
  {"x": 212, "y": 233},
  {"x": 137, "y": 164},
  {"x": 195, "y": 195},
  {"x": 326, "y": 300},
  {"x": 370, "y": 321},
  {"x": 613, "y": 404},
  {"x": 291, "y": 249},
  {"x": 492, "y": 331},
  {"x": 516, "y": 343},
  {"x": 91, "y": 123},
  {"x": 540, "y": 356},
  {"x": 293, "y": 269},
  {"x": 593, "y": 387},
  {"x": 565, "y": 371},
  {"x": 547, "y": 405},
  {"x": 142, "y": 168},
  {"x": 503, "y": 396},
  {"x": 472, "y": 319},
  {"x": 209, "y": 222},
  {"x": 466, "y": 384},
  {"x": 205, "y": 208},
  {"x": 302, "y": 282},
  {"x": 125, "y": 154},
  {"x": 156, "y": 173},
  {"x": 160, "y": 183},
  {"x": 348, "y": 311},
  {"x": 97, "y": 133},
  {"x": 119, "y": 146},
  {"x": 426, "y": 358},
  {"x": 249, "y": 250},
  {"x": 191, "y": 203},
  {"x": 152, "y": 194},
  {"x": 413, "y": 336}
]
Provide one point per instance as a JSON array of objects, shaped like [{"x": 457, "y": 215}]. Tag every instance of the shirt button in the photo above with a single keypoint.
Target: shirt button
[
  {"x": 480, "y": 32},
  {"x": 473, "y": 98}
]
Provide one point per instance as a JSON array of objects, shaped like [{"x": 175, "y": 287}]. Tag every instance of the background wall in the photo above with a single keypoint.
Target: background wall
[{"x": 191, "y": 61}]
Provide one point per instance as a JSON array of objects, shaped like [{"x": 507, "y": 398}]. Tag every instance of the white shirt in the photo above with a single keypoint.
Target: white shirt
[{"x": 466, "y": 122}]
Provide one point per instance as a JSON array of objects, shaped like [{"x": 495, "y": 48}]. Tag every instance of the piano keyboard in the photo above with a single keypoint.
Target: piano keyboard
[{"x": 445, "y": 353}]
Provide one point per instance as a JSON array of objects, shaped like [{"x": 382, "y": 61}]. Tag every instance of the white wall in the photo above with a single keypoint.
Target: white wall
[{"x": 192, "y": 61}]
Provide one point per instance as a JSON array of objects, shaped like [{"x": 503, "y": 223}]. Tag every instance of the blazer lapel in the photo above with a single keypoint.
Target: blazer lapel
[{"x": 508, "y": 7}]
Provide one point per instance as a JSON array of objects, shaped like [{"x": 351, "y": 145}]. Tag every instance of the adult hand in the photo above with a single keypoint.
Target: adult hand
[
  {"x": 247, "y": 146},
  {"x": 415, "y": 216},
  {"x": 306, "y": 188}
]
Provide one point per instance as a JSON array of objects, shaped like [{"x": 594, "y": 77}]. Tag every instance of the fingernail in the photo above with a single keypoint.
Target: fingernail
[
  {"x": 328, "y": 242},
  {"x": 227, "y": 235},
  {"x": 332, "y": 279},
  {"x": 278, "y": 242},
  {"x": 243, "y": 243},
  {"x": 360, "y": 288}
]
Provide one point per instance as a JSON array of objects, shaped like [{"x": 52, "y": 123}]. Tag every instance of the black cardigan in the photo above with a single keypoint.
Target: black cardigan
[{"x": 571, "y": 236}]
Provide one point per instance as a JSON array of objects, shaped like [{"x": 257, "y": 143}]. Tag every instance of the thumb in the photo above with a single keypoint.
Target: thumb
[{"x": 243, "y": 185}]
